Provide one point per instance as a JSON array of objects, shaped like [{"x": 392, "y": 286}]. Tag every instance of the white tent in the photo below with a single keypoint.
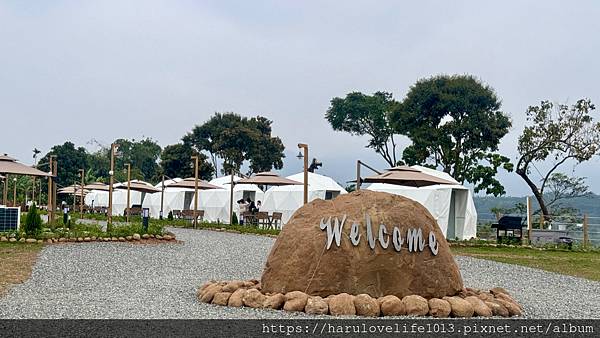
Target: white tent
[
  {"x": 451, "y": 205},
  {"x": 214, "y": 202},
  {"x": 289, "y": 198},
  {"x": 99, "y": 198}
]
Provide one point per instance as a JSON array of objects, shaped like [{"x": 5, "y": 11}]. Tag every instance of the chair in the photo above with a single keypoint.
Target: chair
[
  {"x": 262, "y": 219},
  {"x": 189, "y": 214},
  {"x": 276, "y": 220}
]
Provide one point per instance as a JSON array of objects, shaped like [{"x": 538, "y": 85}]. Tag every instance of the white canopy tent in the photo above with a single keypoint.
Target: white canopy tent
[
  {"x": 289, "y": 198},
  {"x": 451, "y": 205},
  {"x": 99, "y": 198},
  {"x": 214, "y": 202}
]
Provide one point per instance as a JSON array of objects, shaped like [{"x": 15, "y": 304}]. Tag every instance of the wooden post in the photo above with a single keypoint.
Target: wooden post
[
  {"x": 33, "y": 192},
  {"x": 529, "y": 220},
  {"x": 357, "y": 175},
  {"x": 81, "y": 194},
  {"x": 541, "y": 221},
  {"x": 54, "y": 198},
  {"x": 162, "y": 197},
  {"x": 49, "y": 197},
  {"x": 5, "y": 190},
  {"x": 586, "y": 238},
  {"x": 128, "y": 190},
  {"x": 305, "y": 147},
  {"x": 195, "y": 191},
  {"x": 15, "y": 191}
]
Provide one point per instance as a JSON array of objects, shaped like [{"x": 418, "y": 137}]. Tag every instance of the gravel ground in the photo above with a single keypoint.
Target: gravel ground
[{"x": 123, "y": 280}]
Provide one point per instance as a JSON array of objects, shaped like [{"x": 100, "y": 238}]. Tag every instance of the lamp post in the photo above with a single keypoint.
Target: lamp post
[
  {"x": 82, "y": 172},
  {"x": 5, "y": 188},
  {"x": 305, "y": 147},
  {"x": 14, "y": 192},
  {"x": 231, "y": 199},
  {"x": 128, "y": 188},
  {"x": 113, "y": 148},
  {"x": 162, "y": 197},
  {"x": 51, "y": 188},
  {"x": 33, "y": 191},
  {"x": 195, "y": 158}
]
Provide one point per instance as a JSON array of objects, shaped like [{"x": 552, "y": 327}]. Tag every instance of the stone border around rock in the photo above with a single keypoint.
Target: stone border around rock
[
  {"x": 135, "y": 238},
  {"x": 468, "y": 303}
]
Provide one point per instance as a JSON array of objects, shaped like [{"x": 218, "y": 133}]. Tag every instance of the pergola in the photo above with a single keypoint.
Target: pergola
[{"x": 10, "y": 166}]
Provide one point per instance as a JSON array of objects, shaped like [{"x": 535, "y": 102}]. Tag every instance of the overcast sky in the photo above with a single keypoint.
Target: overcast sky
[{"x": 82, "y": 70}]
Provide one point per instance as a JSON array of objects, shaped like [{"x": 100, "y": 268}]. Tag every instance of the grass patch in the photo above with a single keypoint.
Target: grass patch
[
  {"x": 16, "y": 262},
  {"x": 573, "y": 263}
]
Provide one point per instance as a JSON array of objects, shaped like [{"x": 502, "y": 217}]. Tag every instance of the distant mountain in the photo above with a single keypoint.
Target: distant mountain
[{"x": 586, "y": 205}]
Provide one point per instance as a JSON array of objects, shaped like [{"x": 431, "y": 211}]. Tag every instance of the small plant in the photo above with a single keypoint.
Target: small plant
[
  {"x": 33, "y": 221},
  {"x": 170, "y": 216},
  {"x": 234, "y": 219}
]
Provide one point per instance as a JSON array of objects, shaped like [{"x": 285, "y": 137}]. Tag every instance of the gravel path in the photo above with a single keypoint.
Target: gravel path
[{"x": 123, "y": 280}]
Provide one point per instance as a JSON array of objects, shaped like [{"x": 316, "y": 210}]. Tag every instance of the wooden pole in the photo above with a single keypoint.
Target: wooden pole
[
  {"x": 541, "y": 221},
  {"x": 162, "y": 197},
  {"x": 53, "y": 192},
  {"x": 357, "y": 175},
  {"x": 5, "y": 190},
  {"x": 14, "y": 192},
  {"x": 33, "y": 192},
  {"x": 231, "y": 199},
  {"x": 529, "y": 220},
  {"x": 195, "y": 191},
  {"x": 128, "y": 189},
  {"x": 49, "y": 197},
  {"x": 586, "y": 238},
  {"x": 110, "y": 186},
  {"x": 81, "y": 194}
]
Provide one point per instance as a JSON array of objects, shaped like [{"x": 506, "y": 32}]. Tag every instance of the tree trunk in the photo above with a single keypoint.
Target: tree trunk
[{"x": 536, "y": 192}]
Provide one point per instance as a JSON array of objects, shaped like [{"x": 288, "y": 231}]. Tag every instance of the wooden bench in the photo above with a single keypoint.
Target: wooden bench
[
  {"x": 276, "y": 220},
  {"x": 189, "y": 214}
]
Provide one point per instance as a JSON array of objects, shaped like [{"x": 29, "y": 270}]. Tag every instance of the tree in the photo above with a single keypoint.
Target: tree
[
  {"x": 455, "y": 122},
  {"x": 176, "y": 161},
  {"x": 361, "y": 114},
  {"x": 36, "y": 152},
  {"x": 70, "y": 160},
  {"x": 235, "y": 139},
  {"x": 143, "y": 155},
  {"x": 559, "y": 133},
  {"x": 33, "y": 221}
]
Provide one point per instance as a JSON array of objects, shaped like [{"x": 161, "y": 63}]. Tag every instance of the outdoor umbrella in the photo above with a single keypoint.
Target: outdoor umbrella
[
  {"x": 72, "y": 190},
  {"x": 139, "y": 186},
  {"x": 96, "y": 186},
  {"x": 268, "y": 178},
  {"x": 190, "y": 183},
  {"x": 9, "y": 165},
  {"x": 407, "y": 176}
]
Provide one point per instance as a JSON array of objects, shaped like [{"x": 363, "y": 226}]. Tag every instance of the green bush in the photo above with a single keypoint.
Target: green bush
[
  {"x": 33, "y": 221},
  {"x": 234, "y": 219},
  {"x": 170, "y": 216}
]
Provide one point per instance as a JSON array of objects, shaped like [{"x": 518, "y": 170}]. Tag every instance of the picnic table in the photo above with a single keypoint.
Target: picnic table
[{"x": 262, "y": 218}]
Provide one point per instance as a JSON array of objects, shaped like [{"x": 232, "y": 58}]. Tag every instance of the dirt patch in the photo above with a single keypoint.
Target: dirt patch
[{"x": 16, "y": 263}]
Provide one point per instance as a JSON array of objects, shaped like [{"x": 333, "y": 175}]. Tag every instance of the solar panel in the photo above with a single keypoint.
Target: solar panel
[{"x": 9, "y": 219}]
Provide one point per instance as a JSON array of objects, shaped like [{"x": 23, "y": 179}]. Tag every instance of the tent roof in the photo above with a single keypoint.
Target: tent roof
[
  {"x": 317, "y": 181},
  {"x": 168, "y": 182},
  {"x": 9, "y": 165},
  {"x": 72, "y": 190},
  {"x": 96, "y": 186},
  {"x": 224, "y": 180}
]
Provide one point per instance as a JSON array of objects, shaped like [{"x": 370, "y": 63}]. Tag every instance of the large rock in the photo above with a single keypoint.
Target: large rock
[
  {"x": 460, "y": 307},
  {"x": 415, "y": 305},
  {"x": 316, "y": 306},
  {"x": 295, "y": 301},
  {"x": 497, "y": 309},
  {"x": 274, "y": 301},
  {"x": 237, "y": 298},
  {"x": 391, "y": 306},
  {"x": 439, "y": 308},
  {"x": 479, "y": 306},
  {"x": 342, "y": 305},
  {"x": 366, "y": 306},
  {"x": 253, "y": 298},
  {"x": 206, "y": 295},
  {"x": 298, "y": 260},
  {"x": 221, "y": 298}
]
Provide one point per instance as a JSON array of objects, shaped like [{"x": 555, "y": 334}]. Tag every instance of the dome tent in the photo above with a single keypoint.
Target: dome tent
[
  {"x": 287, "y": 199},
  {"x": 99, "y": 198},
  {"x": 452, "y": 206}
]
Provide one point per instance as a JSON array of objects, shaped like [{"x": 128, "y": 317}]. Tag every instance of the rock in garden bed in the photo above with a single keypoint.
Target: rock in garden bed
[{"x": 464, "y": 305}]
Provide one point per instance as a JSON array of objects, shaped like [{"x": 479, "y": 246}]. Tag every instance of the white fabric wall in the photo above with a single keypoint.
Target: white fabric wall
[{"x": 287, "y": 199}]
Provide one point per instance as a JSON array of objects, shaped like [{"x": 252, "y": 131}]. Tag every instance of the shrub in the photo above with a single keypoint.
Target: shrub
[
  {"x": 33, "y": 221},
  {"x": 234, "y": 219},
  {"x": 170, "y": 216}
]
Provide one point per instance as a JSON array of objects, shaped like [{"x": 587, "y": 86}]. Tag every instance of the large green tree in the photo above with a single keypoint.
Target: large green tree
[
  {"x": 556, "y": 134},
  {"x": 235, "y": 139},
  {"x": 176, "y": 161},
  {"x": 361, "y": 114},
  {"x": 70, "y": 160},
  {"x": 143, "y": 156},
  {"x": 456, "y": 123}
]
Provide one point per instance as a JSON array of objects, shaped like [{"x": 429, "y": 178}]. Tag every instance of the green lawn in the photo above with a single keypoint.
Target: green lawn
[
  {"x": 16, "y": 262},
  {"x": 574, "y": 263}
]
